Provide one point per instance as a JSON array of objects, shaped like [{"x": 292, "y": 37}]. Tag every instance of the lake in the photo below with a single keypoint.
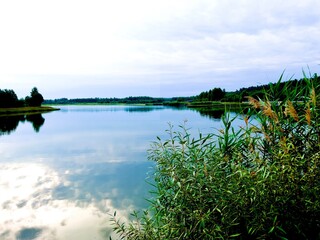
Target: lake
[{"x": 63, "y": 173}]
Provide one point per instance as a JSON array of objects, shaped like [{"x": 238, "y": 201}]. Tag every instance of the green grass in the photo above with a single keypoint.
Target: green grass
[
  {"x": 218, "y": 104},
  {"x": 26, "y": 110}
]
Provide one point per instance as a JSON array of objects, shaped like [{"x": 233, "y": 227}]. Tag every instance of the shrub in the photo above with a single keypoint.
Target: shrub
[{"x": 261, "y": 181}]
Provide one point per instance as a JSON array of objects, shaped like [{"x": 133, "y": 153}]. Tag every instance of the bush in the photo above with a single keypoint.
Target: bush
[{"x": 259, "y": 182}]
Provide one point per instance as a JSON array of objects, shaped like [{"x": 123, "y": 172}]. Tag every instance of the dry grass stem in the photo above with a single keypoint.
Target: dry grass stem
[
  {"x": 291, "y": 111},
  {"x": 246, "y": 120},
  {"x": 267, "y": 111},
  {"x": 308, "y": 115},
  {"x": 313, "y": 97},
  {"x": 254, "y": 102}
]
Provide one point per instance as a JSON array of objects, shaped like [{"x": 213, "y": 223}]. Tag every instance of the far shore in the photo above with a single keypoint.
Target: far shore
[{"x": 26, "y": 110}]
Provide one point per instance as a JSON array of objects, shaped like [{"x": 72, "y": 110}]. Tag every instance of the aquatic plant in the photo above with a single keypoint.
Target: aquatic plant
[{"x": 261, "y": 181}]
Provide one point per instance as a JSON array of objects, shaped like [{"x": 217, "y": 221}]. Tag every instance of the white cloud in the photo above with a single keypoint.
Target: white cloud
[
  {"x": 118, "y": 39},
  {"x": 29, "y": 202}
]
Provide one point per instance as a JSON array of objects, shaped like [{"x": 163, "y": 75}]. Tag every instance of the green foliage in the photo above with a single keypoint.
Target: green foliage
[
  {"x": 215, "y": 94},
  {"x": 261, "y": 181},
  {"x": 127, "y": 100},
  {"x": 258, "y": 92},
  {"x": 35, "y": 99},
  {"x": 8, "y": 98}
]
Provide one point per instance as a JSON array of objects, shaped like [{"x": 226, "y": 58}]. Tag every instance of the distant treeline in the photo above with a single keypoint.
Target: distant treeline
[
  {"x": 217, "y": 94},
  {"x": 9, "y": 99},
  {"x": 127, "y": 100}
]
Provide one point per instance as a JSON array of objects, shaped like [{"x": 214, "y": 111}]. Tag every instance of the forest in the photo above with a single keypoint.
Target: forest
[
  {"x": 212, "y": 95},
  {"x": 217, "y": 94},
  {"x": 9, "y": 99},
  {"x": 126, "y": 100}
]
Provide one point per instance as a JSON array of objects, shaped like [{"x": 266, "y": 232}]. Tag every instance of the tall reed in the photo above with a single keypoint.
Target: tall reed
[{"x": 259, "y": 182}]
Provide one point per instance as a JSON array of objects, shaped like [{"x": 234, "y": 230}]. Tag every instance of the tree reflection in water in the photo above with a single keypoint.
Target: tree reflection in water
[
  {"x": 37, "y": 121},
  {"x": 9, "y": 124},
  {"x": 214, "y": 114}
]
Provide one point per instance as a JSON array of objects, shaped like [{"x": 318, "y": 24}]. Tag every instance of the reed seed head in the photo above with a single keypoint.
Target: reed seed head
[
  {"x": 291, "y": 111},
  {"x": 308, "y": 115},
  {"x": 253, "y": 102},
  {"x": 267, "y": 111}
]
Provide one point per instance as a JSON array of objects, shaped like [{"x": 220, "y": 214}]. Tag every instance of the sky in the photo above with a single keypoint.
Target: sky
[{"x": 158, "y": 48}]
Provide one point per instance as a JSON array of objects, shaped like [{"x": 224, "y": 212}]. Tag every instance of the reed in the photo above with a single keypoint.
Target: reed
[{"x": 259, "y": 182}]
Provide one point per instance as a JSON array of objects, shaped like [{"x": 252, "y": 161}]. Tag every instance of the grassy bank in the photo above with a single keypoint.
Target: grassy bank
[
  {"x": 26, "y": 110},
  {"x": 210, "y": 105},
  {"x": 215, "y": 104}
]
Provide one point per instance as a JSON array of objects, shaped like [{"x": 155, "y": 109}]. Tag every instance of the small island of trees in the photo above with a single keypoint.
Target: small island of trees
[
  {"x": 10, "y": 104},
  {"x": 9, "y": 99}
]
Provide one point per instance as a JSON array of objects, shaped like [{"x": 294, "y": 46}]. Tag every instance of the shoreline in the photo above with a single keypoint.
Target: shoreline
[{"x": 26, "y": 110}]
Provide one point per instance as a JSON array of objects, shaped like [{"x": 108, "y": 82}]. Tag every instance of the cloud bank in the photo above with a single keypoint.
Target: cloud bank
[{"x": 158, "y": 48}]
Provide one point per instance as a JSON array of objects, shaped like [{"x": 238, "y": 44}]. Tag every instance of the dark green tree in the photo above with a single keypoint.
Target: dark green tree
[
  {"x": 35, "y": 99},
  {"x": 8, "y": 98},
  {"x": 215, "y": 94}
]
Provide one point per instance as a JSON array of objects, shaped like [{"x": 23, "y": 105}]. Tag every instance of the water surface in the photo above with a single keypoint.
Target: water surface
[{"x": 63, "y": 173}]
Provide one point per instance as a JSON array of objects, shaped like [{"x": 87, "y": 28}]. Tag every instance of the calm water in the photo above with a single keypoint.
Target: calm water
[{"x": 64, "y": 172}]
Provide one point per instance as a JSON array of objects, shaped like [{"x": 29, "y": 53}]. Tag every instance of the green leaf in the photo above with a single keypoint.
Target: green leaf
[{"x": 235, "y": 235}]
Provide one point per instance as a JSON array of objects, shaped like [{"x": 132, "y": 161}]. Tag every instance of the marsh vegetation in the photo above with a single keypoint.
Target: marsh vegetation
[{"x": 260, "y": 181}]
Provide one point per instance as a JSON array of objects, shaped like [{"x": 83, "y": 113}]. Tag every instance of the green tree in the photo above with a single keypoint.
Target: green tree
[
  {"x": 215, "y": 94},
  {"x": 8, "y": 98},
  {"x": 35, "y": 99}
]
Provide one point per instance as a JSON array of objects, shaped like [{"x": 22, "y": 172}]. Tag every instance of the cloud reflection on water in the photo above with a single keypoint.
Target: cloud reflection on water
[
  {"x": 62, "y": 182},
  {"x": 31, "y": 207}
]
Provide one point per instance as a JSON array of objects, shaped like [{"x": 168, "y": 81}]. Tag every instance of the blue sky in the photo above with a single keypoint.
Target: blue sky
[{"x": 118, "y": 48}]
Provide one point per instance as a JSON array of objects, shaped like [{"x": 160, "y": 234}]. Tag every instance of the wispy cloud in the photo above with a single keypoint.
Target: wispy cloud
[
  {"x": 162, "y": 43},
  {"x": 32, "y": 198}
]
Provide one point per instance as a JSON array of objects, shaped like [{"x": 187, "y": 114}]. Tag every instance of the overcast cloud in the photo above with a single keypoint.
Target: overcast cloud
[{"x": 101, "y": 48}]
